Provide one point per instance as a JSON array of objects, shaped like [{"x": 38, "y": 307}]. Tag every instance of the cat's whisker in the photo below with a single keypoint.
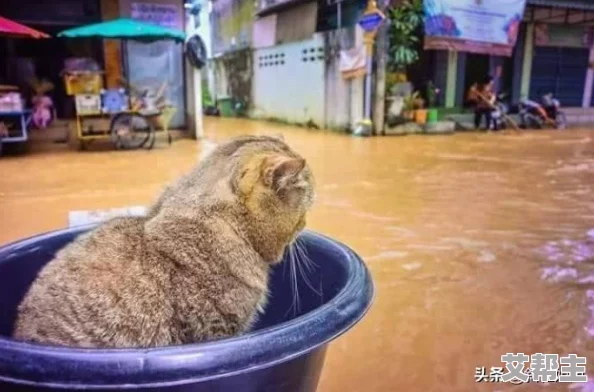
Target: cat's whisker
[
  {"x": 289, "y": 257},
  {"x": 308, "y": 261},
  {"x": 304, "y": 273},
  {"x": 296, "y": 305},
  {"x": 301, "y": 254},
  {"x": 296, "y": 285}
]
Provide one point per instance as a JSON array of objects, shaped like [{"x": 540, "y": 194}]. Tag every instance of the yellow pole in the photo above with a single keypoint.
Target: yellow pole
[{"x": 366, "y": 125}]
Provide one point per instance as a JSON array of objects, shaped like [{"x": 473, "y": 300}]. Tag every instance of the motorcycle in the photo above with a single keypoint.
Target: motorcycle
[
  {"x": 540, "y": 114},
  {"x": 500, "y": 110}
]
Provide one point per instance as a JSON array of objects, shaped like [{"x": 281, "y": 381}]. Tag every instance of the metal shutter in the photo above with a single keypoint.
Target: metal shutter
[{"x": 561, "y": 71}]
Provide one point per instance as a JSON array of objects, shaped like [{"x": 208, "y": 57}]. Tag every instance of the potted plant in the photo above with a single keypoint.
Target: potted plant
[
  {"x": 411, "y": 103},
  {"x": 432, "y": 94},
  {"x": 420, "y": 113}
]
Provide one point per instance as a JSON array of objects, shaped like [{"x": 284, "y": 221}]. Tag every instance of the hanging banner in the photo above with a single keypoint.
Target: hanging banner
[{"x": 474, "y": 26}]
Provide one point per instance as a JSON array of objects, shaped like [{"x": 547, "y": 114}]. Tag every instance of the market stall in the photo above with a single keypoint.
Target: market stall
[
  {"x": 134, "y": 111},
  {"x": 14, "y": 116}
]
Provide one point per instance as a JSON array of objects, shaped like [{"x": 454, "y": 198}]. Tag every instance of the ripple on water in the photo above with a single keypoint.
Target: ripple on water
[
  {"x": 486, "y": 256},
  {"x": 583, "y": 387},
  {"x": 557, "y": 274},
  {"x": 391, "y": 254},
  {"x": 412, "y": 266},
  {"x": 572, "y": 261},
  {"x": 590, "y": 300},
  {"x": 572, "y": 168}
]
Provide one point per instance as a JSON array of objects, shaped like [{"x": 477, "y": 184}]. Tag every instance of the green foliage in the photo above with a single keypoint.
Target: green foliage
[
  {"x": 409, "y": 101},
  {"x": 405, "y": 21}
]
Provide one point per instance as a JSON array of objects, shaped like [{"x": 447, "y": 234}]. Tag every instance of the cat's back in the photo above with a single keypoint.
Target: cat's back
[
  {"x": 104, "y": 250},
  {"x": 89, "y": 291}
]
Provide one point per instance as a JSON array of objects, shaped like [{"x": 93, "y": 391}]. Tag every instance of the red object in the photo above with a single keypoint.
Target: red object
[{"x": 9, "y": 28}]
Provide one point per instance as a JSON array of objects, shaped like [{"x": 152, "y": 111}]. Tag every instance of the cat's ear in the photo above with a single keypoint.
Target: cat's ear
[{"x": 279, "y": 169}]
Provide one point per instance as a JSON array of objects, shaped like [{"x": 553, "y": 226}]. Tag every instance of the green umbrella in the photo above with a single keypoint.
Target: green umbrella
[{"x": 124, "y": 29}]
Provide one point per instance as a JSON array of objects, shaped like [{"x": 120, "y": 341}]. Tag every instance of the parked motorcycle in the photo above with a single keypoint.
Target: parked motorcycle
[
  {"x": 500, "y": 110},
  {"x": 540, "y": 114}
]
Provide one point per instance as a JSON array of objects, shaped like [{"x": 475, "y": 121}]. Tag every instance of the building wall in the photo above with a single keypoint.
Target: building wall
[
  {"x": 231, "y": 23},
  {"x": 293, "y": 74},
  {"x": 289, "y": 82},
  {"x": 343, "y": 98},
  {"x": 233, "y": 74},
  {"x": 112, "y": 53},
  {"x": 57, "y": 12}
]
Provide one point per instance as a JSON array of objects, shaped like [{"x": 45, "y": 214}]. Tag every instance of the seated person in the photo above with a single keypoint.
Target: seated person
[{"x": 483, "y": 98}]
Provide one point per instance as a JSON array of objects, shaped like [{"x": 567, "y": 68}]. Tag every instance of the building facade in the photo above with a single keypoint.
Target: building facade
[
  {"x": 280, "y": 60},
  {"x": 553, "y": 54},
  {"x": 143, "y": 64}
]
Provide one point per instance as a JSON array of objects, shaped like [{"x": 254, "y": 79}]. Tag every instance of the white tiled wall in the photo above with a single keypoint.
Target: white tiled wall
[{"x": 289, "y": 83}]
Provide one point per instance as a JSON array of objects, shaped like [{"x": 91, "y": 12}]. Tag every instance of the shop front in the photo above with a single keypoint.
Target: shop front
[
  {"x": 473, "y": 40},
  {"x": 147, "y": 65},
  {"x": 559, "y": 53},
  {"x": 28, "y": 60},
  {"x": 560, "y": 62},
  {"x": 153, "y": 64},
  {"x": 553, "y": 51}
]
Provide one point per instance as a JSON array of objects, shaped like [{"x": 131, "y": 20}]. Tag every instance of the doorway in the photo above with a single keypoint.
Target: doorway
[{"x": 477, "y": 67}]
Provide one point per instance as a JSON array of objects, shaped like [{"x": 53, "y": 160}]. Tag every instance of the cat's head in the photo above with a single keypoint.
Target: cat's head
[
  {"x": 275, "y": 187},
  {"x": 258, "y": 182}
]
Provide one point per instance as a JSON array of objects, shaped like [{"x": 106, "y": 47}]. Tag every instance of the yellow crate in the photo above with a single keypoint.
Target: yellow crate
[{"x": 83, "y": 83}]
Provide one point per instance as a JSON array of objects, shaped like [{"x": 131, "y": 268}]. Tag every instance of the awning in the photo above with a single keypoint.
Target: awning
[
  {"x": 124, "y": 28},
  {"x": 584, "y": 5},
  {"x": 9, "y": 28}
]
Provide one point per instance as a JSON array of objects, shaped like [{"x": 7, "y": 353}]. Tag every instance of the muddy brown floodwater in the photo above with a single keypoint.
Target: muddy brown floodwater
[{"x": 479, "y": 244}]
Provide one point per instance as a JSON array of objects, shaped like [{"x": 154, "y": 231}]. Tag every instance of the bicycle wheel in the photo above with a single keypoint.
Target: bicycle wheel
[{"x": 130, "y": 131}]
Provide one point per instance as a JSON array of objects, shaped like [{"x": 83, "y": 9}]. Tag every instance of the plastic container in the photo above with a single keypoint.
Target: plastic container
[
  {"x": 421, "y": 116},
  {"x": 226, "y": 107},
  {"x": 285, "y": 352},
  {"x": 83, "y": 82},
  {"x": 432, "y": 116}
]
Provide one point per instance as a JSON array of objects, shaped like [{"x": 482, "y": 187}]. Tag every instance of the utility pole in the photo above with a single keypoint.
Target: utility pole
[
  {"x": 192, "y": 24},
  {"x": 381, "y": 44},
  {"x": 370, "y": 22}
]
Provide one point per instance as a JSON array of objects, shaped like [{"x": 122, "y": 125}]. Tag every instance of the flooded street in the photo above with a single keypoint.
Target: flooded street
[{"x": 479, "y": 244}]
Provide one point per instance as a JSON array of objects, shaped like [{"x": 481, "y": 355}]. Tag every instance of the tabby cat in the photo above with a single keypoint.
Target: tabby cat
[{"x": 195, "y": 268}]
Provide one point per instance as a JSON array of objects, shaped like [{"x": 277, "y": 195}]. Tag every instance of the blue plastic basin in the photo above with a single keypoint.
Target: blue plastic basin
[{"x": 285, "y": 352}]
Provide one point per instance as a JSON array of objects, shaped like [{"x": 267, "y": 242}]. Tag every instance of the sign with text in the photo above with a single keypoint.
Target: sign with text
[
  {"x": 371, "y": 21},
  {"x": 165, "y": 15},
  {"x": 474, "y": 26}
]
